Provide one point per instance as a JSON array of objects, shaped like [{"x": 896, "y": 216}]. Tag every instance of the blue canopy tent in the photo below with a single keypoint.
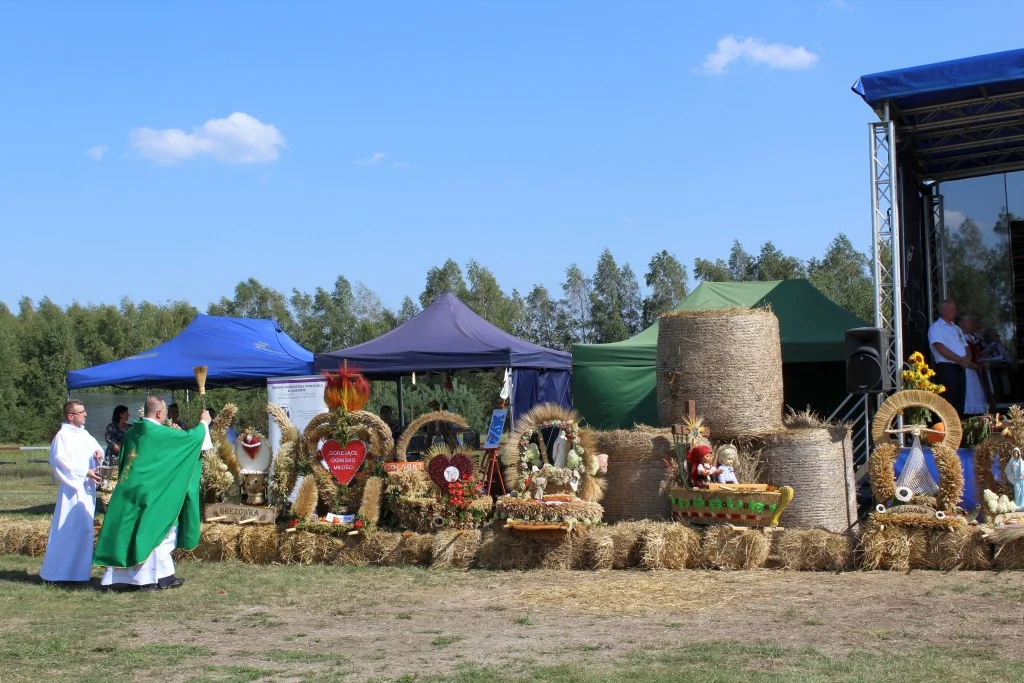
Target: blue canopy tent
[
  {"x": 448, "y": 336},
  {"x": 238, "y": 352}
]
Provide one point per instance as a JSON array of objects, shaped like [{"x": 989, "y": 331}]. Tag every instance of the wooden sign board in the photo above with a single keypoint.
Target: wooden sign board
[
  {"x": 232, "y": 513},
  {"x": 910, "y": 510},
  {"x": 403, "y": 466}
]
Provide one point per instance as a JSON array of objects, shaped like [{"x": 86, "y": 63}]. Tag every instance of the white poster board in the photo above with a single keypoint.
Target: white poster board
[{"x": 301, "y": 398}]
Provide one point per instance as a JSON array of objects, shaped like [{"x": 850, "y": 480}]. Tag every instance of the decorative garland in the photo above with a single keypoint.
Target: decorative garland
[
  {"x": 445, "y": 496},
  {"x": 581, "y": 463},
  {"x": 220, "y": 469},
  {"x": 916, "y": 398},
  {"x": 881, "y": 471},
  {"x": 419, "y": 423},
  {"x": 282, "y": 480}
]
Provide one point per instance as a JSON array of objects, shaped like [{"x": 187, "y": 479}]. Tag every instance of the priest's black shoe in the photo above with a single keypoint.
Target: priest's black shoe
[
  {"x": 171, "y": 582},
  {"x": 148, "y": 588}
]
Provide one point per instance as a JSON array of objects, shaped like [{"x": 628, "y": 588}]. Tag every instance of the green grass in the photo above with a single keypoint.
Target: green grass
[
  {"x": 524, "y": 621},
  {"x": 26, "y": 489},
  {"x": 445, "y": 641}
]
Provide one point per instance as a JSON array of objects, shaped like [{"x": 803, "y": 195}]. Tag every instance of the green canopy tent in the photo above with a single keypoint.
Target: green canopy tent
[{"x": 614, "y": 385}]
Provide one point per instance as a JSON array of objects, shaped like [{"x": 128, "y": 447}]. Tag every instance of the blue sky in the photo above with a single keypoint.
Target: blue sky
[{"x": 168, "y": 150}]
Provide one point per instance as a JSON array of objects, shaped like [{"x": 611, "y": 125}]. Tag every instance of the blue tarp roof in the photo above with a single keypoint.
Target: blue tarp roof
[
  {"x": 962, "y": 118},
  {"x": 239, "y": 352},
  {"x": 446, "y": 335}
]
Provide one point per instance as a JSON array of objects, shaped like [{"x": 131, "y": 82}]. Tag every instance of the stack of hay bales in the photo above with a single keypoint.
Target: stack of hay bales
[
  {"x": 636, "y": 473},
  {"x": 729, "y": 362}
]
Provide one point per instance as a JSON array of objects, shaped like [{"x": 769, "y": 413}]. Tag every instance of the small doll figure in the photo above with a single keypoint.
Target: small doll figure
[
  {"x": 727, "y": 455},
  {"x": 702, "y": 463},
  {"x": 1015, "y": 475}
]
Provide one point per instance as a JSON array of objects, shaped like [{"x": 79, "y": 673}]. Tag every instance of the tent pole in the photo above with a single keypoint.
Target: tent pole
[{"x": 401, "y": 403}]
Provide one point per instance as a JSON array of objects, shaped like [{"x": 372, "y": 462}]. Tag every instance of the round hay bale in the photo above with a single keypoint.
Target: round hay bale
[
  {"x": 635, "y": 473},
  {"x": 818, "y": 464},
  {"x": 729, "y": 362},
  {"x": 814, "y": 550},
  {"x": 725, "y": 547}
]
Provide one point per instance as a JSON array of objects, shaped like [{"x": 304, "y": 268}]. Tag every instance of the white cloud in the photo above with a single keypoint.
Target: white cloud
[
  {"x": 953, "y": 219},
  {"x": 756, "y": 51},
  {"x": 237, "y": 139},
  {"x": 400, "y": 164},
  {"x": 97, "y": 151},
  {"x": 370, "y": 160}
]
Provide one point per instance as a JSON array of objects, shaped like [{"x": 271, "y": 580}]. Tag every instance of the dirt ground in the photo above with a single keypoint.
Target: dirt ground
[{"x": 492, "y": 619}]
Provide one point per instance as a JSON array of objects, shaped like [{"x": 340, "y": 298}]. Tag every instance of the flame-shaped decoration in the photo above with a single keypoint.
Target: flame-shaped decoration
[{"x": 346, "y": 388}]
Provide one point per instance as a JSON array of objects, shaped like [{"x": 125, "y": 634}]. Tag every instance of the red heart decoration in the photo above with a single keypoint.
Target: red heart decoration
[
  {"x": 343, "y": 461},
  {"x": 251, "y": 445},
  {"x": 440, "y": 463}
]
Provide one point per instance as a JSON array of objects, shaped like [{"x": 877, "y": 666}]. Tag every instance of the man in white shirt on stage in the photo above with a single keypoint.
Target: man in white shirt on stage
[
  {"x": 74, "y": 456},
  {"x": 950, "y": 355}
]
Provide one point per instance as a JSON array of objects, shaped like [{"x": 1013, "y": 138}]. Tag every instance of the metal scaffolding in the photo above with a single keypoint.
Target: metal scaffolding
[
  {"x": 886, "y": 248},
  {"x": 935, "y": 249}
]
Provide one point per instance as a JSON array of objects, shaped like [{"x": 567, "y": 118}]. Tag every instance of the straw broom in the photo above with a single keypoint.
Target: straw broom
[{"x": 200, "y": 372}]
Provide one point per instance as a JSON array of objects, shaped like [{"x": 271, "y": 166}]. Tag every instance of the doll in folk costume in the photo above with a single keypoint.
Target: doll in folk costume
[
  {"x": 702, "y": 466},
  {"x": 727, "y": 455}
]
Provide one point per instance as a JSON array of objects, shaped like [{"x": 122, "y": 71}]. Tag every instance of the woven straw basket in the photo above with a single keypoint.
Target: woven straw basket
[
  {"x": 818, "y": 463},
  {"x": 635, "y": 473},
  {"x": 729, "y": 362}
]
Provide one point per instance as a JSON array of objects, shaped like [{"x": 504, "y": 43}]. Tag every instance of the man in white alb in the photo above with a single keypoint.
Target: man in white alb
[
  {"x": 74, "y": 456},
  {"x": 950, "y": 356}
]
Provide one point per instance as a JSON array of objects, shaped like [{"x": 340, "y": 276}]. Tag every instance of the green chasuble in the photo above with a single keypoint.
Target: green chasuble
[{"x": 157, "y": 487}]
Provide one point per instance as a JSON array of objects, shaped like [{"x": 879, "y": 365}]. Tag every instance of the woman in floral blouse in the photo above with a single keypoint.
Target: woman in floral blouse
[{"x": 115, "y": 435}]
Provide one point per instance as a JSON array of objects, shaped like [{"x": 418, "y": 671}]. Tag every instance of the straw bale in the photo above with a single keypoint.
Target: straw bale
[
  {"x": 814, "y": 550},
  {"x": 455, "y": 549},
  {"x": 962, "y": 547},
  {"x": 14, "y": 535},
  {"x": 259, "y": 544},
  {"x": 635, "y": 473},
  {"x": 381, "y": 548},
  {"x": 729, "y": 362},
  {"x": 668, "y": 546},
  {"x": 626, "y": 543},
  {"x": 993, "y": 451},
  {"x": 1010, "y": 555},
  {"x": 350, "y": 551},
  {"x": 373, "y": 498},
  {"x": 896, "y": 548},
  {"x": 725, "y": 547},
  {"x": 818, "y": 464},
  {"x": 303, "y": 547},
  {"x": 598, "y": 549},
  {"x": 217, "y": 542},
  {"x": 409, "y": 483},
  {"x": 504, "y": 549}
]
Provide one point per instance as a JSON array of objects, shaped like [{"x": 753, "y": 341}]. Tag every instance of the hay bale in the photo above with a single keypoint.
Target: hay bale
[
  {"x": 668, "y": 546},
  {"x": 814, "y": 550},
  {"x": 349, "y": 551},
  {"x": 729, "y": 362},
  {"x": 455, "y": 549},
  {"x": 258, "y": 544},
  {"x": 1010, "y": 555},
  {"x": 626, "y": 543},
  {"x": 893, "y": 548},
  {"x": 381, "y": 548},
  {"x": 303, "y": 547},
  {"x": 598, "y": 549},
  {"x": 635, "y": 473},
  {"x": 726, "y": 547},
  {"x": 217, "y": 542},
  {"x": 962, "y": 547},
  {"x": 818, "y": 463},
  {"x": 504, "y": 549},
  {"x": 415, "y": 549}
]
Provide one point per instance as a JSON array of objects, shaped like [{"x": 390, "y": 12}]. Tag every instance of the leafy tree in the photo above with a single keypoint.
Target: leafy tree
[
  {"x": 575, "y": 307},
  {"x": 406, "y": 311},
  {"x": 978, "y": 275},
  {"x": 541, "y": 319},
  {"x": 631, "y": 304},
  {"x": 843, "y": 276},
  {"x": 772, "y": 264},
  {"x": 606, "y": 301},
  {"x": 11, "y": 377},
  {"x": 49, "y": 352},
  {"x": 254, "y": 300},
  {"x": 486, "y": 299},
  {"x": 447, "y": 278},
  {"x": 666, "y": 277}
]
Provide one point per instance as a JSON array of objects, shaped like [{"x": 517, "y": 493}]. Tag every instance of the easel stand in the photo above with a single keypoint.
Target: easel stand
[{"x": 492, "y": 468}]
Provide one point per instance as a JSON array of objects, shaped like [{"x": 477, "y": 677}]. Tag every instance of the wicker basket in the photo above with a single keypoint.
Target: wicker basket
[
  {"x": 739, "y": 508},
  {"x": 818, "y": 462},
  {"x": 729, "y": 363},
  {"x": 635, "y": 473}
]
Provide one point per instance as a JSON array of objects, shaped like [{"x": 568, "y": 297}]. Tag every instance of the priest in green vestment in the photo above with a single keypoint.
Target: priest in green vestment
[{"x": 155, "y": 506}]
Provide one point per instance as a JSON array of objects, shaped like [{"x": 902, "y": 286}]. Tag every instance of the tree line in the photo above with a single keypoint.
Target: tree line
[{"x": 41, "y": 342}]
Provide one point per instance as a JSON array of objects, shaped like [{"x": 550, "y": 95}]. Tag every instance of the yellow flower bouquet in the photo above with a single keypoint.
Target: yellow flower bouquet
[{"x": 919, "y": 376}]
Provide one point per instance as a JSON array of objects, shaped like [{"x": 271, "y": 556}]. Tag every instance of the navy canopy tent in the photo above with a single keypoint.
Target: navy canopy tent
[
  {"x": 238, "y": 352},
  {"x": 448, "y": 336}
]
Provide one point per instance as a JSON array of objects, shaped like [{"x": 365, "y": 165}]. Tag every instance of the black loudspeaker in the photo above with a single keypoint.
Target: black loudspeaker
[{"x": 865, "y": 361}]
